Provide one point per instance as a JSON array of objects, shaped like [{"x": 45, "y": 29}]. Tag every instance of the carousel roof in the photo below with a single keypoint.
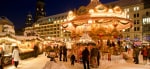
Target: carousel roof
[{"x": 97, "y": 18}]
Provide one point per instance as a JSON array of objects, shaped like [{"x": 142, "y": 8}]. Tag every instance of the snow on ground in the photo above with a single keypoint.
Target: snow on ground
[{"x": 39, "y": 63}]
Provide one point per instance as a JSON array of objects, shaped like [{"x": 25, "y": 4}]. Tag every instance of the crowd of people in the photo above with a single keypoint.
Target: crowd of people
[
  {"x": 145, "y": 52},
  {"x": 90, "y": 57}
]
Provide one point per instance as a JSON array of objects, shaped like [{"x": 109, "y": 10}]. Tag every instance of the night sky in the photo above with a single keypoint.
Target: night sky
[{"x": 17, "y": 10}]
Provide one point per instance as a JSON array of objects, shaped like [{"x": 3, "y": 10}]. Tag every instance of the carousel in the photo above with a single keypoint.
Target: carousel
[
  {"x": 96, "y": 22},
  {"x": 98, "y": 19}
]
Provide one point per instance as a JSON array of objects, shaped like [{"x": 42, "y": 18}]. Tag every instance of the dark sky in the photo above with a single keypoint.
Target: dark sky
[{"x": 16, "y": 10}]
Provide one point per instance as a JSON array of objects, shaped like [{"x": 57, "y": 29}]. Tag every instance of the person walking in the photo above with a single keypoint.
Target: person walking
[
  {"x": 98, "y": 57},
  {"x": 85, "y": 58},
  {"x": 35, "y": 51},
  {"x": 148, "y": 50},
  {"x": 72, "y": 59},
  {"x": 15, "y": 56},
  {"x": 1, "y": 58},
  {"x": 64, "y": 54},
  {"x": 1, "y": 61},
  {"x": 136, "y": 51},
  {"x": 60, "y": 53},
  {"x": 144, "y": 53}
]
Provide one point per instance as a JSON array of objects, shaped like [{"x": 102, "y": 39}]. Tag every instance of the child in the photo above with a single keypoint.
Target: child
[{"x": 72, "y": 59}]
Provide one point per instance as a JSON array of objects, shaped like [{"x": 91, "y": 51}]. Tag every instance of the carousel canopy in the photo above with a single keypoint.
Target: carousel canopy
[
  {"x": 86, "y": 40},
  {"x": 98, "y": 19}
]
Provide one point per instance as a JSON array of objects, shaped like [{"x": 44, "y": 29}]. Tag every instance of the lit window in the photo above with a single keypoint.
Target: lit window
[
  {"x": 54, "y": 22},
  {"x": 36, "y": 25},
  {"x": 143, "y": 20},
  {"x": 124, "y": 9},
  {"x": 61, "y": 20},
  {"x": 148, "y": 20},
  {"x": 137, "y": 8},
  {"x": 134, "y": 8},
  {"x": 128, "y": 16},
  {"x": 65, "y": 20},
  {"x": 49, "y": 20},
  {"x": 128, "y": 10}
]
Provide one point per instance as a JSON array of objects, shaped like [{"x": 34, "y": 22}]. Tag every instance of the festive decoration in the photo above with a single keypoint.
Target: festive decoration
[{"x": 98, "y": 19}]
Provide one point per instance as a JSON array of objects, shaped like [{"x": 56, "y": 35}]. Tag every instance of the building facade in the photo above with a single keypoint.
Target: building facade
[
  {"x": 50, "y": 27},
  {"x": 6, "y": 26},
  {"x": 137, "y": 10},
  {"x": 146, "y": 26}
]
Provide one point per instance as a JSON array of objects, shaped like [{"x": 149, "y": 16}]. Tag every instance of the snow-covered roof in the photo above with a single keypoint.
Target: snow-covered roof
[
  {"x": 5, "y": 20},
  {"x": 28, "y": 37}
]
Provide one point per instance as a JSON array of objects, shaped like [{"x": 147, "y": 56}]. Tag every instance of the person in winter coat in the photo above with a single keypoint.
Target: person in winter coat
[
  {"x": 1, "y": 61},
  {"x": 85, "y": 58},
  {"x": 60, "y": 53},
  {"x": 98, "y": 57},
  {"x": 148, "y": 55},
  {"x": 64, "y": 53},
  {"x": 136, "y": 51},
  {"x": 144, "y": 52},
  {"x": 15, "y": 56},
  {"x": 72, "y": 59}
]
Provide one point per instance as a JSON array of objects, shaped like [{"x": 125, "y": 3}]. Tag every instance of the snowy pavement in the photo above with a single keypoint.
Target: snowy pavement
[
  {"x": 31, "y": 63},
  {"x": 41, "y": 60}
]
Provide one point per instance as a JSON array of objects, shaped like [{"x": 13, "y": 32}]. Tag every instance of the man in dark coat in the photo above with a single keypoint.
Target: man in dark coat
[
  {"x": 60, "y": 53},
  {"x": 65, "y": 54},
  {"x": 35, "y": 51},
  {"x": 136, "y": 51},
  {"x": 1, "y": 61},
  {"x": 108, "y": 43},
  {"x": 72, "y": 59},
  {"x": 85, "y": 58},
  {"x": 148, "y": 53},
  {"x": 98, "y": 57}
]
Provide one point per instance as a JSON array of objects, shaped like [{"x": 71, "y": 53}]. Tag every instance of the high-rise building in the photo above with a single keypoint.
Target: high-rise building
[{"x": 40, "y": 10}]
